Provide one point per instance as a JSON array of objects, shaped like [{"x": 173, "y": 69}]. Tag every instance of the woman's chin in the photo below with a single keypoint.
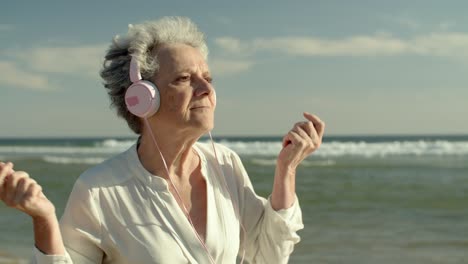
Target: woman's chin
[
  {"x": 204, "y": 123},
  {"x": 208, "y": 127}
]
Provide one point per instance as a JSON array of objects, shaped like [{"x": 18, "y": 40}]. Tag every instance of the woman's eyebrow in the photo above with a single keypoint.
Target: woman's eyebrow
[
  {"x": 191, "y": 70},
  {"x": 183, "y": 70}
]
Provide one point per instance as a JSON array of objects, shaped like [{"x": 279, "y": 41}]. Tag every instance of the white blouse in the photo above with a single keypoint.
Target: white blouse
[{"x": 120, "y": 213}]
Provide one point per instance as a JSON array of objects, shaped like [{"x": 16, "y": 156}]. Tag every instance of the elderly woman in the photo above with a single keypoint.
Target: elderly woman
[{"x": 168, "y": 198}]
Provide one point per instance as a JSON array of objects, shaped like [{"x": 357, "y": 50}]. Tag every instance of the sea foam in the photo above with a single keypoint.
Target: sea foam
[{"x": 262, "y": 152}]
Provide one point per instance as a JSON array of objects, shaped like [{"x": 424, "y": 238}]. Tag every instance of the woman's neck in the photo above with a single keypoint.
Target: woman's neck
[{"x": 176, "y": 149}]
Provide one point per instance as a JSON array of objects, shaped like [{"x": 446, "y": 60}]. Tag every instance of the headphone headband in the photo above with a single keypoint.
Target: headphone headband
[{"x": 135, "y": 74}]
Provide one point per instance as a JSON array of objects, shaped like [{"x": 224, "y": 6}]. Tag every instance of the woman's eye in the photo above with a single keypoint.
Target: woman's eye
[
  {"x": 209, "y": 79},
  {"x": 183, "y": 78}
]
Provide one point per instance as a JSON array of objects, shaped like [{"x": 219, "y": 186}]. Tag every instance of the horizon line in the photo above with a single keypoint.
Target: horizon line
[{"x": 246, "y": 136}]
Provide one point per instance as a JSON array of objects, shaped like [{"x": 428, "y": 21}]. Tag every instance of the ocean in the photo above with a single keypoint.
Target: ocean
[{"x": 365, "y": 199}]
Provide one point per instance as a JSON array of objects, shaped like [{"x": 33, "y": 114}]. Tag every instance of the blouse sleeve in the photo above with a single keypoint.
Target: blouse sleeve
[
  {"x": 270, "y": 235},
  {"x": 80, "y": 227}
]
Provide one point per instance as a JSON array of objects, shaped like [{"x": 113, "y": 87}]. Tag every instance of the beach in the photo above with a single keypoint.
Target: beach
[{"x": 364, "y": 199}]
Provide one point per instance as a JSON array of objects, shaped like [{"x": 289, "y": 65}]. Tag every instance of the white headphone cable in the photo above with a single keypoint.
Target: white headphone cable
[{"x": 178, "y": 194}]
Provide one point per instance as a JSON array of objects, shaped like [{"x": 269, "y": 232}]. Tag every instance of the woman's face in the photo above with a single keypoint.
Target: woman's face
[{"x": 184, "y": 82}]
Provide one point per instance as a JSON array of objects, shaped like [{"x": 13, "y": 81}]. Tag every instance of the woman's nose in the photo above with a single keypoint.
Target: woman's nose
[{"x": 203, "y": 87}]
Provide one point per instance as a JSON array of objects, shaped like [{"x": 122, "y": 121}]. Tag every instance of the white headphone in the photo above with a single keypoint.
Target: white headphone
[{"x": 142, "y": 97}]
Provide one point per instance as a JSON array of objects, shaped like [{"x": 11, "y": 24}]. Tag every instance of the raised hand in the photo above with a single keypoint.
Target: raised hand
[
  {"x": 19, "y": 191},
  {"x": 303, "y": 139}
]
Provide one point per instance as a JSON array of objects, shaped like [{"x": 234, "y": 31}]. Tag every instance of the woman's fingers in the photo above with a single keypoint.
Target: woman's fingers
[
  {"x": 308, "y": 133},
  {"x": 304, "y": 140},
  {"x": 34, "y": 191},
  {"x": 15, "y": 187},
  {"x": 305, "y": 137},
  {"x": 311, "y": 131},
  {"x": 12, "y": 184},
  {"x": 308, "y": 127},
  {"x": 5, "y": 170},
  {"x": 23, "y": 190},
  {"x": 305, "y": 129},
  {"x": 318, "y": 124},
  {"x": 294, "y": 137}
]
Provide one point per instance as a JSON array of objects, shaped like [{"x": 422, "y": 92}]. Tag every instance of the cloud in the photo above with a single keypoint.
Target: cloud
[
  {"x": 84, "y": 60},
  {"x": 227, "y": 64},
  {"x": 30, "y": 68},
  {"x": 228, "y": 67},
  {"x": 446, "y": 44},
  {"x": 12, "y": 75},
  {"x": 440, "y": 44},
  {"x": 229, "y": 44},
  {"x": 354, "y": 46}
]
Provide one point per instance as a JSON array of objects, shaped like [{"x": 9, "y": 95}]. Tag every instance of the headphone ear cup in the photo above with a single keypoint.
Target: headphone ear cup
[{"x": 142, "y": 99}]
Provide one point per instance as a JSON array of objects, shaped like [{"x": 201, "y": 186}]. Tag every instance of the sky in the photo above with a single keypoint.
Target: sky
[{"x": 364, "y": 67}]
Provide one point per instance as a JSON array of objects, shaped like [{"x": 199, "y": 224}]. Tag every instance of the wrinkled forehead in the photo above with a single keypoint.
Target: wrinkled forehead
[{"x": 176, "y": 58}]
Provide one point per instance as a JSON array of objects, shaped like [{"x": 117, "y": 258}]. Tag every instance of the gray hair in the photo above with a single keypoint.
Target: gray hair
[{"x": 141, "y": 41}]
